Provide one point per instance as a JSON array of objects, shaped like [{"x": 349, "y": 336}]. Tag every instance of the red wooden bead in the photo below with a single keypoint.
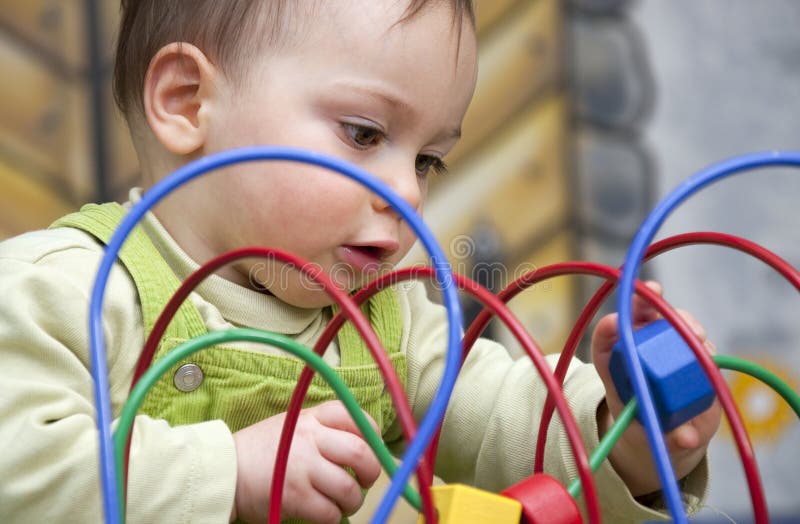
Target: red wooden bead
[{"x": 544, "y": 501}]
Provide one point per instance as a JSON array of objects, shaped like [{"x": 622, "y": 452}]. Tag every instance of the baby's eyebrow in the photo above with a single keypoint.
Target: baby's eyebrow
[
  {"x": 453, "y": 133},
  {"x": 382, "y": 96}
]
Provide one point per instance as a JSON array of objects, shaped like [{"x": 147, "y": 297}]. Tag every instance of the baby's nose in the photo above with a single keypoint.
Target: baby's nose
[{"x": 404, "y": 182}]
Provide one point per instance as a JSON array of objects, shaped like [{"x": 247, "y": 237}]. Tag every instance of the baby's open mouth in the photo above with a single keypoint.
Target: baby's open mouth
[
  {"x": 367, "y": 259},
  {"x": 373, "y": 251}
]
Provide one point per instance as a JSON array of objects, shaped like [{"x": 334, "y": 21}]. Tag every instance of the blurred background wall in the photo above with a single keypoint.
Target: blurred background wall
[
  {"x": 61, "y": 142},
  {"x": 587, "y": 112},
  {"x": 728, "y": 83}
]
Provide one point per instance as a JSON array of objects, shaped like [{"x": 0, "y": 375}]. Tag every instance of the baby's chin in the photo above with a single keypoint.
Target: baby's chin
[
  {"x": 311, "y": 295},
  {"x": 317, "y": 300}
]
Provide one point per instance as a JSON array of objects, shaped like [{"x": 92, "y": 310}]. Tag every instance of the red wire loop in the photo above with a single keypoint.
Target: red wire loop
[
  {"x": 493, "y": 303},
  {"x": 348, "y": 308},
  {"x": 424, "y": 473},
  {"x": 700, "y": 237},
  {"x": 722, "y": 239}
]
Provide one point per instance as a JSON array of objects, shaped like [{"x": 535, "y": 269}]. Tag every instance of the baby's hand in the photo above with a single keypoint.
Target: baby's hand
[
  {"x": 317, "y": 488},
  {"x": 631, "y": 457}
]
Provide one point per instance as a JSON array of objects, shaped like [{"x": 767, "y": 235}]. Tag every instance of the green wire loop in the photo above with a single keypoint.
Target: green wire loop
[
  {"x": 375, "y": 442},
  {"x": 607, "y": 443},
  {"x": 194, "y": 345},
  {"x": 723, "y": 362},
  {"x": 764, "y": 375}
]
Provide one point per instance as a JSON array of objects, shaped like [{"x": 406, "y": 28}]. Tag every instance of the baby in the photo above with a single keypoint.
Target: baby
[{"x": 383, "y": 84}]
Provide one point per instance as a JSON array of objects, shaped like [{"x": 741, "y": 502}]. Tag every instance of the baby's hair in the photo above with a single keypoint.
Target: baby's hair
[{"x": 228, "y": 32}]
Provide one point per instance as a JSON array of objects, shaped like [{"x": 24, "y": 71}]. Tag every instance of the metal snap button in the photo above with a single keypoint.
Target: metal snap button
[{"x": 188, "y": 377}]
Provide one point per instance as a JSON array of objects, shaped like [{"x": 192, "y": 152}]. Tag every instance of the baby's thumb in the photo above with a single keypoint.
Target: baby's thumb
[{"x": 605, "y": 335}]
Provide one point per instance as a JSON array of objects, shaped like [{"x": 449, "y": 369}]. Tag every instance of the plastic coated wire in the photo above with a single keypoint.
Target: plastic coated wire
[
  {"x": 764, "y": 375},
  {"x": 702, "y": 237},
  {"x": 699, "y": 237},
  {"x": 579, "y": 328},
  {"x": 194, "y": 345},
  {"x": 629, "y": 412},
  {"x": 424, "y": 472},
  {"x": 631, "y": 265},
  {"x": 630, "y": 269},
  {"x": 98, "y": 366},
  {"x": 520, "y": 333},
  {"x": 349, "y": 308},
  {"x": 607, "y": 443},
  {"x": 711, "y": 370}
]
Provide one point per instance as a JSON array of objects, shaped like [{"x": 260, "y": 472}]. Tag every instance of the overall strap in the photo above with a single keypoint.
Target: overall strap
[
  {"x": 156, "y": 282},
  {"x": 239, "y": 386},
  {"x": 154, "y": 279},
  {"x": 383, "y": 312}
]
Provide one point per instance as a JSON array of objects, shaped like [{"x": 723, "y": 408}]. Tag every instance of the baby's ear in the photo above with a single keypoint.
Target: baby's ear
[{"x": 177, "y": 87}]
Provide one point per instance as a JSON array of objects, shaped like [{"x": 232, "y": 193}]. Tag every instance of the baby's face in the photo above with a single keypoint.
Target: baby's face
[{"x": 387, "y": 96}]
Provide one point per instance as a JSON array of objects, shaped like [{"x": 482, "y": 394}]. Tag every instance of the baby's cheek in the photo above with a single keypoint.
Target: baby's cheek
[{"x": 407, "y": 240}]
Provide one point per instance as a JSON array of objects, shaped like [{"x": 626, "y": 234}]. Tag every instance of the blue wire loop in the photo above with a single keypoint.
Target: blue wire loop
[
  {"x": 630, "y": 270},
  {"x": 444, "y": 276}
]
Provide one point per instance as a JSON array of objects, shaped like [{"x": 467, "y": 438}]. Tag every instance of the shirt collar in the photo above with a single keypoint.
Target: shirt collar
[{"x": 238, "y": 305}]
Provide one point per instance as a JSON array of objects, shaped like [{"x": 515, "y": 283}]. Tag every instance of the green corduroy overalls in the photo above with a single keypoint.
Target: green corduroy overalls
[{"x": 239, "y": 387}]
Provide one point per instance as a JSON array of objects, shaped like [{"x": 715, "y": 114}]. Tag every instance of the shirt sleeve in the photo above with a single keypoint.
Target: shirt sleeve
[
  {"x": 489, "y": 433},
  {"x": 48, "y": 435}
]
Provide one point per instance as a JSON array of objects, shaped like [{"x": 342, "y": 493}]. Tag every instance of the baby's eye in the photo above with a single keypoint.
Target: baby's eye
[
  {"x": 363, "y": 136},
  {"x": 425, "y": 163}
]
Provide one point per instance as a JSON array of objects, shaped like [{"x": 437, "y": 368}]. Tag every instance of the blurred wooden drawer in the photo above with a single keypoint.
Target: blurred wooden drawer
[
  {"x": 26, "y": 203},
  {"x": 517, "y": 61},
  {"x": 547, "y": 309},
  {"x": 58, "y": 27},
  {"x": 488, "y": 12},
  {"x": 43, "y": 118},
  {"x": 54, "y": 25},
  {"x": 517, "y": 184}
]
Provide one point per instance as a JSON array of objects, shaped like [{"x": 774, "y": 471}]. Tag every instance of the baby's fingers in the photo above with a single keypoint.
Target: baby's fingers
[
  {"x": 684, "y": 437},
  {"x": 697, "y": 328},
  {"x": 688, "y": 442},
  {"x": 316, "y": 506},
  {"x": 333, "y": 414},
  {"x": 348, "y": 450},
  {"x": 338, "y": 486},
  {"x": 643, "y": 311}
]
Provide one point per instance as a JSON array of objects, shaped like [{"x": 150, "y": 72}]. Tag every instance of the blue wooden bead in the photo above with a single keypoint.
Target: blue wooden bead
[{"x": 679, "y": 386}]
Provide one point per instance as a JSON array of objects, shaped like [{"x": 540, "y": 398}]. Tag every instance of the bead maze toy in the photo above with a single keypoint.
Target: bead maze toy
[{"x": 651, "y": 367}]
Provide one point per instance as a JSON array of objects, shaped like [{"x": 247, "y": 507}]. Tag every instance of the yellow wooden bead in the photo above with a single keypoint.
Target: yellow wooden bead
[{"x": 460, "y": 504}]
